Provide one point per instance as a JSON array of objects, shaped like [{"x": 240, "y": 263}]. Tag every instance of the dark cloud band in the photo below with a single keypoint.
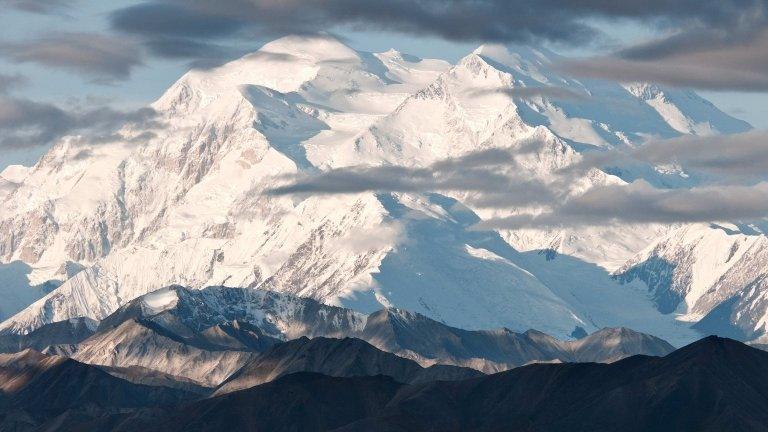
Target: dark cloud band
[
  {"x": 741, "y": 157},
  {"x": 742, "y": 67},
  {"x": 562, "y": 21},
  {"x": 105, "y": 58},
  {"x": 720, "y": 31},
  {"x": 490, "y": 175},
  {"x": 26, "y": 123},
  {"x": 639, "y": 202}
]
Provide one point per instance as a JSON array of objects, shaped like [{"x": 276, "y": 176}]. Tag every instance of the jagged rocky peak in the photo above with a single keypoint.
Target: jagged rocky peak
[
  {"x": 611, "y": 344},
  {"x": 686, "y": 111},
  {"x": 219, "y": 329},
  {"x": 277, "y": 315}
]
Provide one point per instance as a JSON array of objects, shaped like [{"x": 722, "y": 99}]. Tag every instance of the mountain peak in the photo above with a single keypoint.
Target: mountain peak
[
  {"x": 615, "y": 331},
  {"x": 715, "y": 343},
  {"x": 514, "y": 56},
  {"x": 312, "y": 47},
  {"x": 719, "y": 350},
  {"x": 26, "y": 356},
  {"x": 190, "y": 202}
]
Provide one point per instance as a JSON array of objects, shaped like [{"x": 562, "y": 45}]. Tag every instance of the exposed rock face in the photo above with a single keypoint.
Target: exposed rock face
[
  {"x": 204, "y": 336},
  {"x": 336, "y": 357},
  {"x": 63, "y": 333},
  {"x": 427, "y": 341},
  {"x": 56, "y": 393},
  {"x": 722, "y": 383}
]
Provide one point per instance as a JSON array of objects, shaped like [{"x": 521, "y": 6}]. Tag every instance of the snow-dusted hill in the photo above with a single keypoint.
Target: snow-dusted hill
[
  {"x": 205, "y": 335},
  {"x": 184, "y": 202}
]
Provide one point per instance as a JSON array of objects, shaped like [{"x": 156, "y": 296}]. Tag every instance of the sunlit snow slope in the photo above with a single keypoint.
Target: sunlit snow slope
[{"x": 184, "y": 203}]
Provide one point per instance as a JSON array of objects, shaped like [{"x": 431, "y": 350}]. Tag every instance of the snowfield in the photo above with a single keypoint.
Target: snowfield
[{"x": 185, "y": 202}]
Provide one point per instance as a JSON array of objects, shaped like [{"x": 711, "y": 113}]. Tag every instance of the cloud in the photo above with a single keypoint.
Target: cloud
[
  {"x": 700, "y": 74},
  {"x": 525, "y": 93},
  {"x": 174, "y": 20},
  {"x": 181, "y": 48},
  {"x": 561, "y": 21},
  {"x": 177, "y": 31},
  {"x": 708, "y": 44},
  {"x": 362, "y": 240},
  {"x": 106, "y": 58},
  {"x": 37, "y": 6},
  {"x": 10, "y": 83},
  {"x": 493, "y": 179},
  {"x": 26, "y": 123},
  {"x": 639, "y": 202},
  {"x": 699, "y": 58},
  {"x": 491, "y": 174},
  {"x": 737, "y": 157}
]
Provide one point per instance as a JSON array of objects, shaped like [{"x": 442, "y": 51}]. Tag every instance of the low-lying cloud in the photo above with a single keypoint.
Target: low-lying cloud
[
  {"x": 491, "y": 173},
  {"x": 26, "y": 123},
  {"x": 526, "y": 93},
  {"x": 492, "y": 179},
  {"x": 711, "y": 60},
  {"x": 730, "y": 158},
  {"x": 639, "y": 202}
]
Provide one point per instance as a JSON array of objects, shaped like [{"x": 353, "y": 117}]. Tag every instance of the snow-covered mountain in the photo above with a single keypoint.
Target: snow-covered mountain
[
  {"x": 183, "y": 201},
  {"x": 712, "y": 275}
]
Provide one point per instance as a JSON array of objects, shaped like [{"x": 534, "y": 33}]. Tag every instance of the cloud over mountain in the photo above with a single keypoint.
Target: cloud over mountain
[
  {"x": 488, "y": 20},
  {"x": 27, "y": 123},
  {"x": 102, "y": 57},
  {"x": 639, "y": 202},
  {"x": 490, "y": 172},
  {"x": 704, "y": 44}
]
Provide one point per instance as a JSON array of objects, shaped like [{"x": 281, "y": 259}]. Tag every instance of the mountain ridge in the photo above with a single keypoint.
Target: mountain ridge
[
  {"x": 190, "y": 195},
  {"x": 712, "y": 378},
  {"x": 205, "y": 336}
]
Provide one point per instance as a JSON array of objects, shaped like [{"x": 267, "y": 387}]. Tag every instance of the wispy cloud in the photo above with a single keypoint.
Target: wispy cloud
[
  {"x": 639, "y": 202},
  {"x": 493, "y": 179},
  {"x": 735, "y": 158},
  {"x": 550, "y": 92},
  {"x": 560, "y": 21},
  {"x": 12, "y": 82},
  {"x": 713, "y": 59},
  {"x": 105, "y": 58},
  {"x": 491, "y": 173},
  {"x": 26, "y": 123},
  {"x": 707, "y": 44},
  {"x": 38, "y": 6}
]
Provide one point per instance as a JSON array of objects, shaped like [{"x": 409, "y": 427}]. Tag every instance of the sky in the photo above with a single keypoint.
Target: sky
[{"x": 66, "y": 60}]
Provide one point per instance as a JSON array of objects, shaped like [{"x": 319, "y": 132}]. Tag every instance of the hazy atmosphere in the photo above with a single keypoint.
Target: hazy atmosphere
[{"x": 366, "y": 215}]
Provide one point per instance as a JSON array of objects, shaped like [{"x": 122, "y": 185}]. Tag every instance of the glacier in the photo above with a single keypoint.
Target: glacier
[{"x": 185, "y": 201}]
